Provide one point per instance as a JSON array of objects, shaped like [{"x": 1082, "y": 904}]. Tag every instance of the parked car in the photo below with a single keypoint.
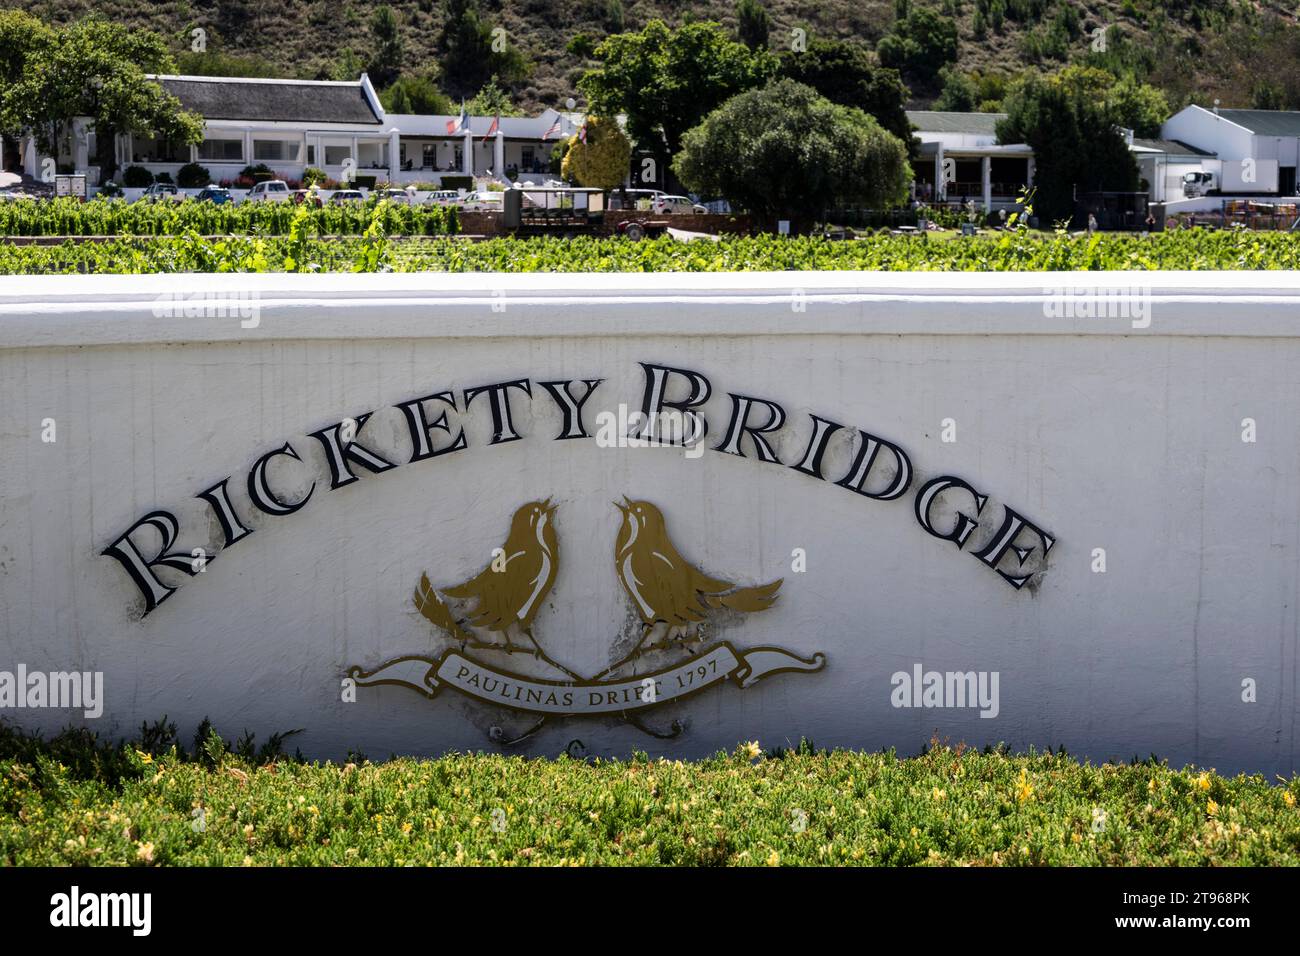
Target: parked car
[
  {"x": 643, "y": 199},
  {"x": 158, "y": 191},
  {"x": 8, "y": 195},
  {"x": 215, "y": 194},
  {"x": 677, "y": 206},
  {"x": 396, "y": 195},
  {"x": 272, "y": 190},
  {"x": 308, "y": 196},
  {"x": 444, "y": 197},
  {"x": 341, "y": 196},
  {"x": 484, "y": 200}
]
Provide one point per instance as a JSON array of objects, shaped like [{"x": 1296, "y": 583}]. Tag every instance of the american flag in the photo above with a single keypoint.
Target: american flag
[
  {"x": 554, "y": 130},
  {"x": 582, "y": 133},
  {"x": 492, "y": 130}
]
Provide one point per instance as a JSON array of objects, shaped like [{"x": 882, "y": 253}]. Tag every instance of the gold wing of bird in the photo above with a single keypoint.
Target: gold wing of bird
[
  {"x": 747, "y": 600},
  {"x": 436, "y": 612}
]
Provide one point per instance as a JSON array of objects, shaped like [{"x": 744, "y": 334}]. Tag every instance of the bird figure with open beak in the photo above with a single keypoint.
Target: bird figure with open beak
[
  {"x": 509, "y": 592},
  {"x": 665, "y": 588}
]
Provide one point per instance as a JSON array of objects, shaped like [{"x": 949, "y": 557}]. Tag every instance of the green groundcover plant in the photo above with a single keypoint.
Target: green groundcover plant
[
  {"x": 74, "y": 799},
  {"x": 302, "y": 249}
]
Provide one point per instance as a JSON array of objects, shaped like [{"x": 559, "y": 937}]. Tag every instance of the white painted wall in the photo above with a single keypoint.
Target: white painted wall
[
  {"x": 1107, "y": 435},
  {"x": 1209, "y": 131}
]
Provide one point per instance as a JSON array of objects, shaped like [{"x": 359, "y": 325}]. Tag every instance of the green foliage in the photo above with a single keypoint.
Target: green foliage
[
  {"x": 96, "y": 69},
  {"x": 602, "y": 161},
  {"x": 667, "y": 80},
  {"x": 75, "y": 800},
  {"x": 136, "y": 177},
  {"x": 468, "y": 54},
  {"x": 390, "y": 48},
  {"x": 492, "y": 100},
  {"x": 786, "y": 152},
  {"x": 193, "y": 176},
  {"x": 110, "y": 217},
  {"x": 1077, "y": 147},
  {"x": 416, "y": 94},
  {"x": 753, "y": 24},
  {"x": 958, "y": 94},
  {"x": 844, "y": 73},
  {"x": 919, "y": 44}
]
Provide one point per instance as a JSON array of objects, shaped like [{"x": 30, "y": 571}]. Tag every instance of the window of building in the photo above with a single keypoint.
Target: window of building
[
  {"x": 311, "y": 155},
  {"x": 337, "y": 155},
  {"x": 276, "y": 150},
  {"x": 222, "y": 150},
  {"x": 528, "y": 157}
]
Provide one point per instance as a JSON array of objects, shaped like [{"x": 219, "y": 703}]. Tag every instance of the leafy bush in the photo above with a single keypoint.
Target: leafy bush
[
  {"x": 311, "y": 176},
  {"x": 193, "y": 176},
  {"x": 137, "y": 177},
  {"x": 76, "y": 800},
  {"x": 1194, "y": 249},
  {"x": 258, "y": 173}
]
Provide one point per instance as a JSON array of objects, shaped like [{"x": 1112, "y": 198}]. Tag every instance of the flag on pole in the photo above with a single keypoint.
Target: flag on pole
[
  {"x": 492, "y": 130},
  {"x": 554, "y": 130},
  {"x": 582, "y": 133},
  {"x": 458, "y": 125}
]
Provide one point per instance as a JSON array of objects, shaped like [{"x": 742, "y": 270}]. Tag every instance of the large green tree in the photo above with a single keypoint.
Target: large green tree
[
  {"x": 787, "y": 152},
  {"x": 1077, "y": 144},
  {"x": 470, "y": 52},
  {"x": 667, "y": 80},
  {"x": 844, "y": 72},
  {"x": 602, "y": 161},
  {"x": 390, "y": 49},
  {"x": 97, "y": 69},
  {"x": 919, "y": 44},
  {"x": 753, "y": 24}
]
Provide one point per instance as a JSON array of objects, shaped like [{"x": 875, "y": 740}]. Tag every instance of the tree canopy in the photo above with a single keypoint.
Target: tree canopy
[
  {"x": 920, "y": 43},
  {"x": 470, "y": 52},
  {"x": 390, "y": 49},
  {"x": 667, "y": 80},
  {"x": 844, "y": 73},
  {"x": 786, "y": 152},
  {"x": 753, "y": 24},
  {"x": 1075, "y": 137},
  {"x": 602, "y": 161},
  {"x": 96, "y": 69}
]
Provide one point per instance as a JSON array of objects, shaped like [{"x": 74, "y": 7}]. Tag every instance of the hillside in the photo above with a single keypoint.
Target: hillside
[{"x": 1243, "y": 53}]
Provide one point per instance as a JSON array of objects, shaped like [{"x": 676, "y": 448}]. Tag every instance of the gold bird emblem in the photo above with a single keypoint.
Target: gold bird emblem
[
  {"x": 508, "y": 593},
  {"x": 664, "y": 587}
]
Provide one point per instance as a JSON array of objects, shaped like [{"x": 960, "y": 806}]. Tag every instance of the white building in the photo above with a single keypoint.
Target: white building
[
  {"x": 960, "y": 159},
  {"x": 339, "y": 127},
  {"x": 1254, "y": 151}
]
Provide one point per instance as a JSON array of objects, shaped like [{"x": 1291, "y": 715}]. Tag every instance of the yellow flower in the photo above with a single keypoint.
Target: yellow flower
[
  {"x": 1203, "y": 781},
  {"x": 1076, "y": 838},
  {"x": 938, "y": 794},
  {"x": 752, "y": 750},
  {"x": 1212, "y": 808},
  {"x": 144, "y": 852},
  {"x": 144, "y": 757},
  {"x": 1288, "y": 798},
  {"x": 1024, "y": 790},
  {"x": 774, "y": 859}
]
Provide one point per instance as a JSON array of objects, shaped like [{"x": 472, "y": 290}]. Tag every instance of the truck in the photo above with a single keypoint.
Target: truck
[{"x": 1234, "y": 177}]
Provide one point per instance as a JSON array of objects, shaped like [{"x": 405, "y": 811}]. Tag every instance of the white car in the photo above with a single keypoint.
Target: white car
[
  {"x": 444, "y": 197},
  {"x": 677, "y": 206},
  {"x": 341, "y": 196},
  {"x": 272, "y": 190},
  {"x": 485, "y": 200}
]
